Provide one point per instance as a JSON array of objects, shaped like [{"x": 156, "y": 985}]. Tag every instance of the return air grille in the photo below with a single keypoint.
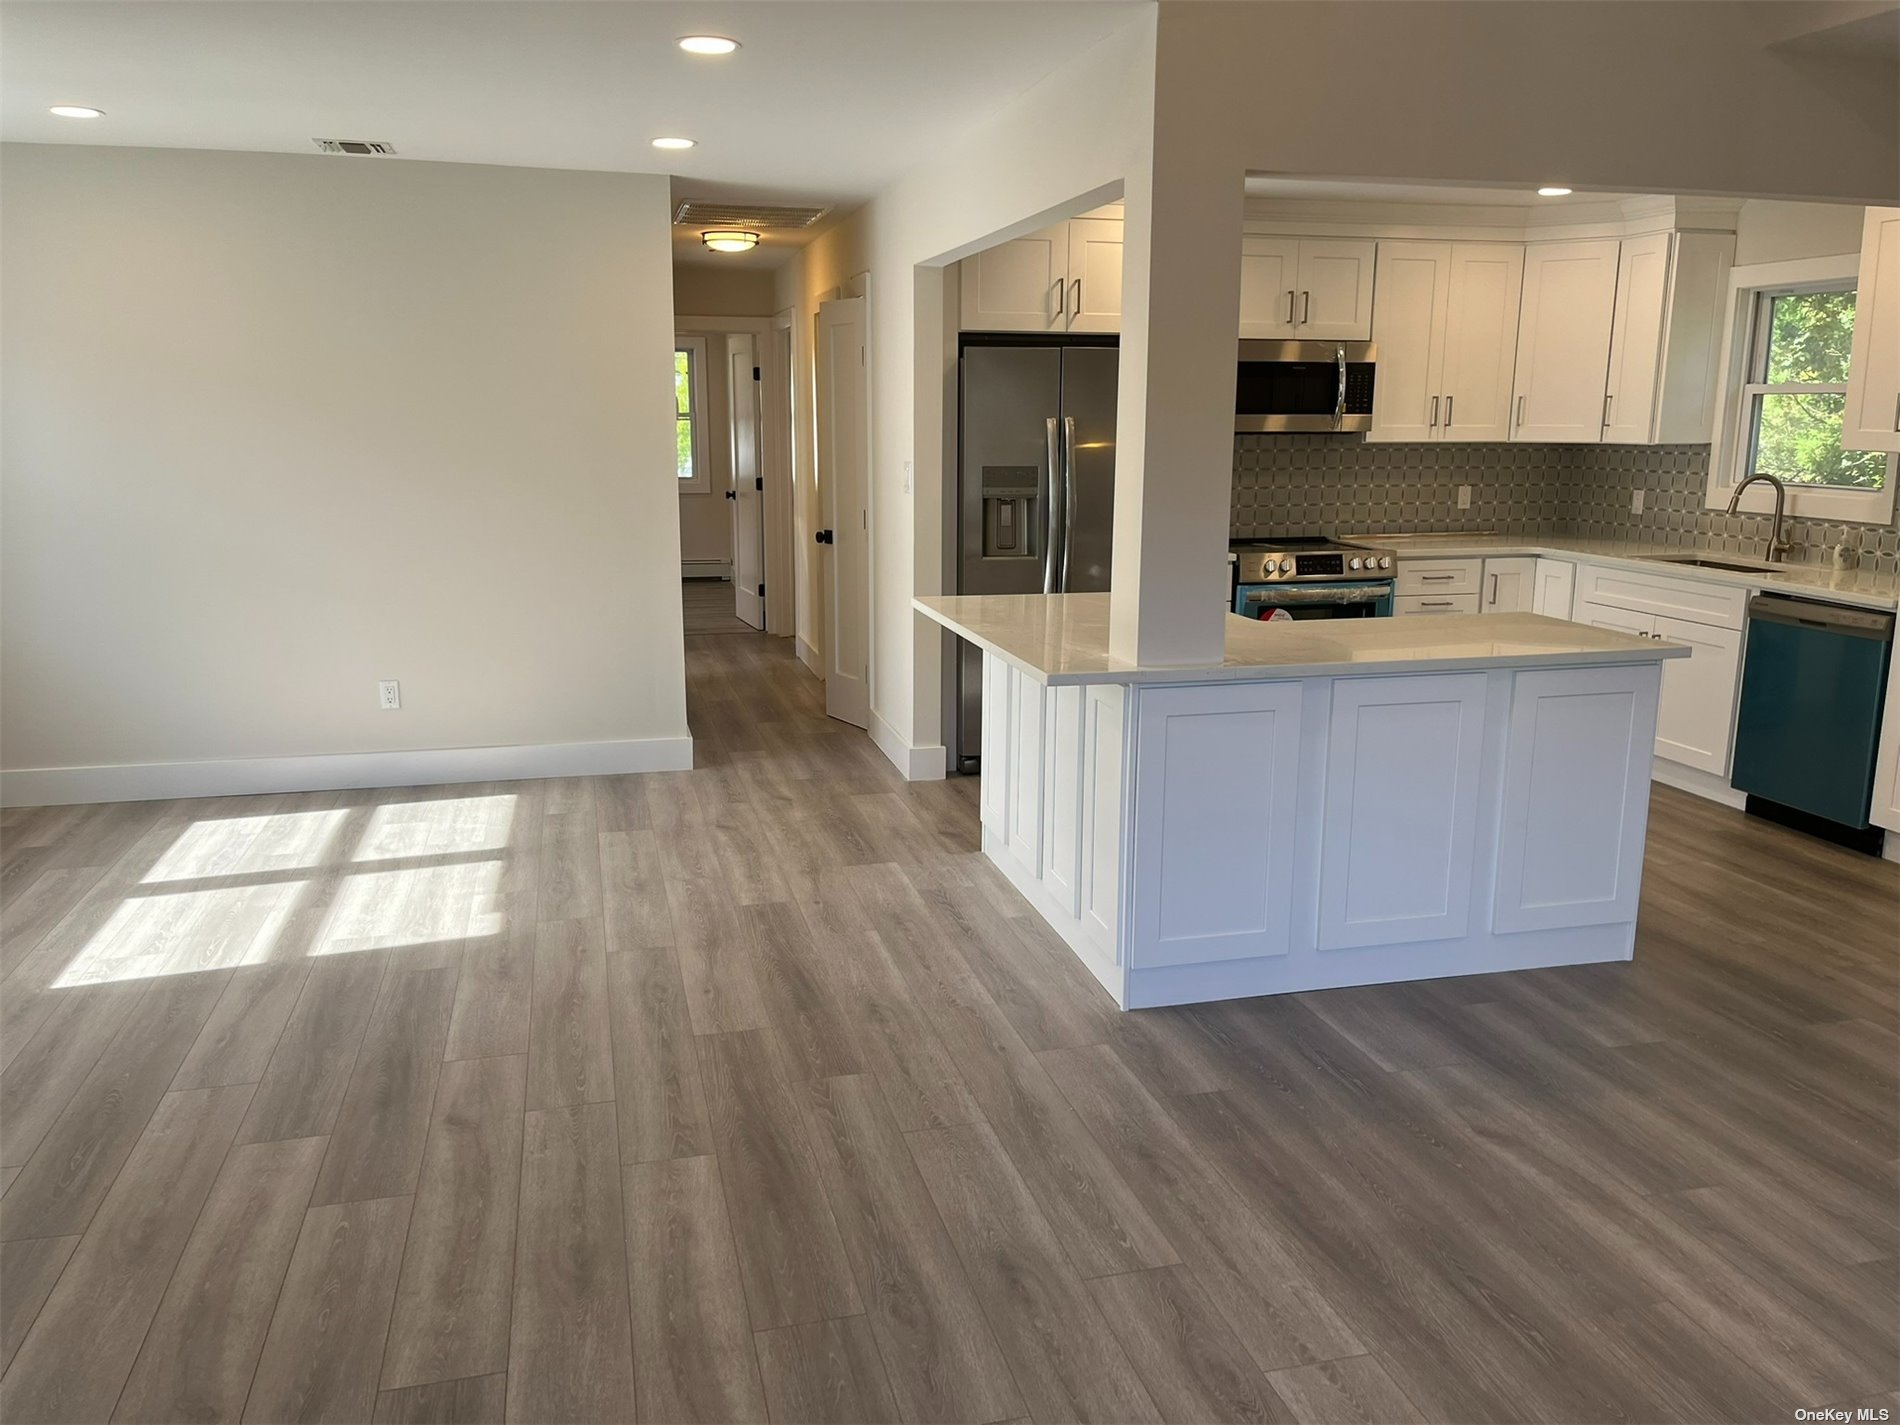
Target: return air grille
[
  {"x": 370, "y": 148},
  {"x": 754, "y": 217}
]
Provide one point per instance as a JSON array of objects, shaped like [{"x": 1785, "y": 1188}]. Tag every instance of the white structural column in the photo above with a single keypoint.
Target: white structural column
[{"x": 1175, "y": 441}]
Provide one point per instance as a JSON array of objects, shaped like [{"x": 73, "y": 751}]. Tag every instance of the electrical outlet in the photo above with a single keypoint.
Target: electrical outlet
[
  {"x": 1464, "y": 497},
  {"x": 1636, "y": 502},
  {"x": 389, "y": 695}
]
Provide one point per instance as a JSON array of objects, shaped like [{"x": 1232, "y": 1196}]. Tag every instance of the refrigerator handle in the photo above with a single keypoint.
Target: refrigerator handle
[
  {"x": 1050, "y": 536},
  {"x": 1068, "y": 496}
]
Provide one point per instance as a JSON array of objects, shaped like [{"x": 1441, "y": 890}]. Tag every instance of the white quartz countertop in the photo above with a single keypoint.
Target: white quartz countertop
[
  {"x": 1855, "y": 587},
  {"x": 1063, "y": 638}
]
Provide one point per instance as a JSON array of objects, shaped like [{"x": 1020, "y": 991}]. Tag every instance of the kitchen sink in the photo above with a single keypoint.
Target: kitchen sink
[{"x": 1731, "y": 565}]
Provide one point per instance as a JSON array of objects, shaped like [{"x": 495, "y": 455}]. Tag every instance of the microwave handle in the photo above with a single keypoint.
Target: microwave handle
[{"x": 1339, "y": 401}]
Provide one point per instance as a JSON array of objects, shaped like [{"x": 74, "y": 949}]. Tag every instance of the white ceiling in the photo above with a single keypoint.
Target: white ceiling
[{"x": 827, "y": 102}]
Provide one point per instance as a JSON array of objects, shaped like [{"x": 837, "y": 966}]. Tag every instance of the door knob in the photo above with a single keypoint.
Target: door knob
[{"x": 823, "y": 536}]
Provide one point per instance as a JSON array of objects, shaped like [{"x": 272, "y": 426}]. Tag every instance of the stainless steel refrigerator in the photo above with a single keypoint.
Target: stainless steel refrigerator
[{"x": 1035, "y": 487}]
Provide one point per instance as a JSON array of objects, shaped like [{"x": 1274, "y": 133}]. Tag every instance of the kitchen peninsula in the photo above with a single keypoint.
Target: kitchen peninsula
[{"x": 1338, "y": 803}]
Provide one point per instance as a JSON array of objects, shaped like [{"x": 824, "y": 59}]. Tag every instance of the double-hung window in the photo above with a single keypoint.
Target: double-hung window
[
  {"x": 689, "y": 403},
  {"x": 1789, "y": 345}
]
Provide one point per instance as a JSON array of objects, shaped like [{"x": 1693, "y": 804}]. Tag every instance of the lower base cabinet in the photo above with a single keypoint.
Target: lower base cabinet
[{"x": 1695, "y": 720}]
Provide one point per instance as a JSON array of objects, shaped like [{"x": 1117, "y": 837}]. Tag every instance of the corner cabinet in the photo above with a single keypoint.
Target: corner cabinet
[
  {"x": 1065, "y": 278},
  {"x": 1306, "y": 289},
  {"x": 1871, "y": 420},
  {"x": 1886, "y": 804}
]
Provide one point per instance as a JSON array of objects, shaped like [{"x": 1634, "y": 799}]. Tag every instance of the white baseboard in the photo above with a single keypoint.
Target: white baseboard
[
  {"x": 1700, "y": 783},
  {"x": 1890, "y": 848},
  {"x": 808, "y": 656},
  {"x": 242, "y": 776},
  {"x": 706, "y": 569},
  {"x": 918, "y": 764}
]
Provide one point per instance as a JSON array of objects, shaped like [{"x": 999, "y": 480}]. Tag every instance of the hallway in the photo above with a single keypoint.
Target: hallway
[{"x": 753, "y": 1091}]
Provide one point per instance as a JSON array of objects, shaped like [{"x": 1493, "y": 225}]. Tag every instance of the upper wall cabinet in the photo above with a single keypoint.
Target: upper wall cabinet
[
  {"x": 1662, "y": 379},
  {"x": 1563, "y": 340},
  {"x": 1296, "y": 289},
  {"x": 1066, "y": 278},
  {"x": 1872, "y": 417},
  {"x": 1445, "y": 323}
]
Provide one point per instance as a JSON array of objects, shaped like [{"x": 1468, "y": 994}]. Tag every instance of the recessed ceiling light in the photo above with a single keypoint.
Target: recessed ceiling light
[
  {"x": 76, "y": 111},
  {"x": 1553, "y": 191},
  {"x": 673, "y": 143},
  {"x": 730, "y": 239},
  {"x": 708, "y": 44}
]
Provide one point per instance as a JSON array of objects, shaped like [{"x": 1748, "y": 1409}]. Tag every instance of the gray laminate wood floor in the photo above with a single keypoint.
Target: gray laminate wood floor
[{"x": 752, "y": 1092}]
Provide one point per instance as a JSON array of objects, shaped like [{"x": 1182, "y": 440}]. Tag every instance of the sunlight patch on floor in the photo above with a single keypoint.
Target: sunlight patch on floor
[
  {"x": 179, "y": 932},
  {"x": 437, "y": 828},
  {"x": 379, "y": 910},
  {"x": 239, "y": 845}
]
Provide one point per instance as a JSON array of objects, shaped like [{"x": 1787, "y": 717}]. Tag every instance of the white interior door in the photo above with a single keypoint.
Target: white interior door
[
  {"x": 748, "y": 483},
  {"x": 844, "y": 475}
]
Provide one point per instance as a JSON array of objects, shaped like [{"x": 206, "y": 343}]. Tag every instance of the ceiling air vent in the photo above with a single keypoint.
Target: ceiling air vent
[
  {"x": 369, "y": 147},
  {"x": 754, "y": 217}
]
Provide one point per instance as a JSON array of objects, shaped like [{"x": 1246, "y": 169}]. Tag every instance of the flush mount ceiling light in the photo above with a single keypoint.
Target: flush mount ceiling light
[
  {"x": 729, "y": 239},
  {"x": 1553, "y": 191},
  {"x": 76, "y": 111},
  {"x": 673, "y": 143},
  {"x": 708, "y": 44}
]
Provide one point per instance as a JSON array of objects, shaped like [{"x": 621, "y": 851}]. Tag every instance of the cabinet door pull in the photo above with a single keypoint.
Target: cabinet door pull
[
  {"x": 1078, "y": 298},
  {"x": 1606, "y": 410},
  {"x": 1289, "y": 307},
  {"x": 1520, "y": 412},
  {"x": 1437, "y": 604},
  {"x": 1896, "y": 412},
  {"x": 1306, "y": 308},
  {"x": 1448, "y": 401},
  {"x": 1494, "y": 590},
  {"x": 1431, "y": 424},
  {"x": 1062, "y": 299},
  {"x": 1436, "y": 578}
]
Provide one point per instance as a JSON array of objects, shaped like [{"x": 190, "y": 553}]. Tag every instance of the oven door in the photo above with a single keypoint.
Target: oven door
[
  {"x": 1304, "y": 386},
  {"x": 1372, "y": 599}
]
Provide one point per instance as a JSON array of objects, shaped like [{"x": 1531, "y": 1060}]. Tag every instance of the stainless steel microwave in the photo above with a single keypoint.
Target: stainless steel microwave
[{"x": 1304, "y": 385}]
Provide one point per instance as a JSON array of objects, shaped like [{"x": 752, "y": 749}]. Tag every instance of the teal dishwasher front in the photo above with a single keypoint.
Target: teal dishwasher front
[{"x": 1812, "y": 686}]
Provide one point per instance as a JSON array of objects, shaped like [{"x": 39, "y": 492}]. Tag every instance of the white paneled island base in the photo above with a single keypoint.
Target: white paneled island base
[{"x": 1339, "y": 804}]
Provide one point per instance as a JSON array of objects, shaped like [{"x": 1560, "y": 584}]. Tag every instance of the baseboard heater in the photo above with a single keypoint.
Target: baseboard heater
[{"x": 705, "y": 569}]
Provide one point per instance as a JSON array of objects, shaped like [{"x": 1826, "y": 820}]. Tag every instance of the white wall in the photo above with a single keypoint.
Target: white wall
[
  {"x": 277, "y": 427},
  {"x": 1768, "y": 231}
]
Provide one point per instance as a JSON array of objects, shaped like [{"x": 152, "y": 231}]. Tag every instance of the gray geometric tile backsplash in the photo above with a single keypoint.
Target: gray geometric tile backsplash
[{"x": 1305, "y": 484}]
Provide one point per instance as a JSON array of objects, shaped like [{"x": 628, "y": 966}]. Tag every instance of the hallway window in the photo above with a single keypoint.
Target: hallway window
[{"x": 689, "y": 400}]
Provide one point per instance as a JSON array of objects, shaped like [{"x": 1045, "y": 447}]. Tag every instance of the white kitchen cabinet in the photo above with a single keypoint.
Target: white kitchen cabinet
[
  {"x": 1095, "y": 275},
  {"x": 1214, "y": 895},
  {"x": 1317, "y": 289},
  {"x": 1563, "y": 341},
  {"x": 1064, "y": 278},
  {"x": 1555, "y": 590},
  {"x": 1886, "y": 807},
  {"x": 1411, "y": 293},
  {"x": 1269, "y": 287},
  {"x": 1695, "y": 721},
  {"x": 1399, "y": 828},
  {"x": 1445, "y": 321},
  {"x": 1662, "y": 387},
  {"x": 1576, "y": 771},
  {"x": 1481, "y": 321},
  {"x": 1509, "y": 586},
  {"x": 1871, "y": 420},
  {"x": 1636, "y": 335}
]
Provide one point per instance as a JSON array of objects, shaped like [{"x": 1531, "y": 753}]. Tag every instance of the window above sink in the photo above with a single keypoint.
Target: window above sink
[{"x": 1786, "y": 356}]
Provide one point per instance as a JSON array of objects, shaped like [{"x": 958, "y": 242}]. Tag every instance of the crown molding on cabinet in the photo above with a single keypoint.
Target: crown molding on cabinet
[{"x": 1458, "y": 222}]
